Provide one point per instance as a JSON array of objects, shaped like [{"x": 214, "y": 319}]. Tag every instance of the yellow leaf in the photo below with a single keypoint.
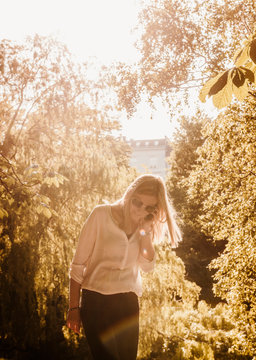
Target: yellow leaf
[
  {"x": 241, "y": 92},
  {"x": 47, "y": 180},
  {"x": 207, "y": 86},
  {"x": 43, "y": 209},
  {"x": 45, "y": 199},
  {"x": 55, "y": 181},
  {"x": 10, "y": 180},
  {"x": 61, "y": 178},
  {"x": 251, "y": 66},
  {"x": 3, "y": 213},
  {"x": 10, "y": 201},
  {"x": 54, "y": 212},
  {"x": 5, "y": 167},
  {"x": 46, "y": 212},
  {"x": 39, "y": 209},
  {"x": 31, "y": 171},
  {"x": 224, "y": 96},
  {"x": 243, "y": 57}
]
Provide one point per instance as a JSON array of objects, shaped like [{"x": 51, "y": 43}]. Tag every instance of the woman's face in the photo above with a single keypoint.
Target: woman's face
[{"x": 141, "y": 205}]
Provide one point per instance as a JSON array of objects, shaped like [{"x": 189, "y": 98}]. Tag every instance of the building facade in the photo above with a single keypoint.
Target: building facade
[{"x": 149, "y": 156}]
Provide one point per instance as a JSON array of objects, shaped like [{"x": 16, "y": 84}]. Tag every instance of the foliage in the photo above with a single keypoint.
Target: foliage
[
  {"x": 58, "y": 159},
  {"x": 233, "y": 81},
  {"x": 174, "y": 325},
  {"x": 187, "y": 138},
  {"x": 225, "y": 178},
  {"x": 197, "y": 249},
  {"x": 181, "y": 44},
  {"x": 162, "y": 288}
]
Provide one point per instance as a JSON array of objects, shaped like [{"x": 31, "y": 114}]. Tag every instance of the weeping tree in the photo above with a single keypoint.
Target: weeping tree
[{"x": 59, "y": 158}]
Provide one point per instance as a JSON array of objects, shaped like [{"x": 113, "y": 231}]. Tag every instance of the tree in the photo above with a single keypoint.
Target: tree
[
  {"x": 182, "y": 43},
  {"x": 225, "y": 178},
  {"x": 197, "y": 249},
  {"x": 235, "y": 81},
  {"x": 174, "y": 325},
  {"x": 164, "y": 291},
  {"x": 58, "y": 159}
]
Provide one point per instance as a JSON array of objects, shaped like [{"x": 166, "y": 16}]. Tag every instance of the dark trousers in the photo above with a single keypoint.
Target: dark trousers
[{"x": 111, "y": 324}]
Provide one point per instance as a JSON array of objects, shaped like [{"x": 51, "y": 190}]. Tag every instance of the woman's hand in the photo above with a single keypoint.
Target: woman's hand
[{"x": 74, "y": 320}]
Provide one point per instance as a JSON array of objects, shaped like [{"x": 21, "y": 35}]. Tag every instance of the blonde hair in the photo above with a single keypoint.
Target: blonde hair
[{"x": 165, "y": 218}]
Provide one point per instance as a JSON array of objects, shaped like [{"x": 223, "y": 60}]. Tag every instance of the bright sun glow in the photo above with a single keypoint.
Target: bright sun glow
[{"x": 90, "y": 28}]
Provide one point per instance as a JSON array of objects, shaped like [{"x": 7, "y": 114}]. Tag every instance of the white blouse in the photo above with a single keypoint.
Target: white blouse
[{"x": 107, "y": 261}]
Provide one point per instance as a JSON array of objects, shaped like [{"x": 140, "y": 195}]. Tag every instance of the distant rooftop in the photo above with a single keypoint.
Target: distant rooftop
[{"x": 149, "y": 142}]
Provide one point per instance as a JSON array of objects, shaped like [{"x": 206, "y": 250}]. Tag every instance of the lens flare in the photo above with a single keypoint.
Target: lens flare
[{"x": 119, "y": 329}]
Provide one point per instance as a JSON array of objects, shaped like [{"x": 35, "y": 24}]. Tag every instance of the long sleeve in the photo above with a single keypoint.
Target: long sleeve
[
  {"x": 145, "y": 264},
  {"x": 105, "y": 260},
  {"x": 85, "y": 247}
]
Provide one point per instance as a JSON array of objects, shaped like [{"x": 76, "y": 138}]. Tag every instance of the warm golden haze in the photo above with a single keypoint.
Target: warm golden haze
[{"x": 62, "y": 152}]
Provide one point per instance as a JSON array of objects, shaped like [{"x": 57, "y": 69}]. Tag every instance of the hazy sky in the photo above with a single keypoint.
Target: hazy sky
[
  {"x": 100, "y": 28},
  {"x": 89, "y": 27}
]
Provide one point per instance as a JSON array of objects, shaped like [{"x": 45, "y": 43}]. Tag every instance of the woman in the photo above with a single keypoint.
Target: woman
[{"x": 115, "y": 243}]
